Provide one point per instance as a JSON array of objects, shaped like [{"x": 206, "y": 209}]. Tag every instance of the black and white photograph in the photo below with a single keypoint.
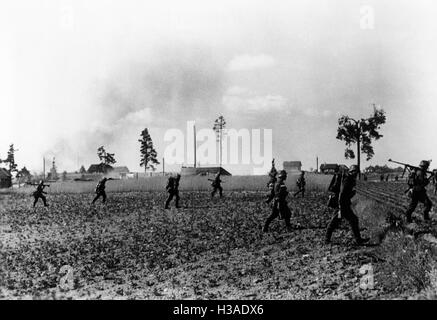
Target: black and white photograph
[{"x": 205, "y": 150}]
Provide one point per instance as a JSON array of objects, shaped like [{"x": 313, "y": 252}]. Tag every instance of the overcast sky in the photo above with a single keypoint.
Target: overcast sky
[{"x": 75, "y": 75}]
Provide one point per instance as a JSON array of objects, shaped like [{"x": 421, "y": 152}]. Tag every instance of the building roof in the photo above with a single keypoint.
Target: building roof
[
  {"x": 204, "y": 170},
  {"x": 120, "y": 170},
  {"x": 4, "y": 174},
  {"x": 327, "y": 166},
  {"x": 101, "y": 167}
]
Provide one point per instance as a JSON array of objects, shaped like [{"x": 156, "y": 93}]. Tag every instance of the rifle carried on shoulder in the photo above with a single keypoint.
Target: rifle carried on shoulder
[{"x": 411, "y": 167}]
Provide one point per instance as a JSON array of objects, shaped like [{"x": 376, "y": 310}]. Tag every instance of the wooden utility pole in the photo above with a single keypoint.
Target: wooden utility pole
[{"x": 195, "y": 145}]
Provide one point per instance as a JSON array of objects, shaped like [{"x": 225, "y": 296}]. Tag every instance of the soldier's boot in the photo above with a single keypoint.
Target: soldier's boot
[
  {"x": 266, "y": 225},
  {"x": 333, "y": 224},
  {"x": 44, "y": 200},
  {"x": 356, "y": 231},
  {"x": 167, "y": 204}
]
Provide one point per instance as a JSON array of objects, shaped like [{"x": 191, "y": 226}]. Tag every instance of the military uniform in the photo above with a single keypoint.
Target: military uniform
[
  {"x": 300, "y": 183},
  {"x": 418, "y": 181},
  {"x": 334, "y": 187},
  {"x": 216, "y": 185},
  {"x": 173, "y": 191},
  {"x": 347, "y": 192},
  {"x": 100, "y": 190},
  {"x": 280, "y": 207},
  {"x": 39, "y": 193},
  {"x": 271, "y": 184}
]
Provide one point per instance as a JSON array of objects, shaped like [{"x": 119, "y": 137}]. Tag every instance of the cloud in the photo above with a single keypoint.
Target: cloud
[
  {"x": 250, "y": 62},
  {"x": 243, "y": 100}
]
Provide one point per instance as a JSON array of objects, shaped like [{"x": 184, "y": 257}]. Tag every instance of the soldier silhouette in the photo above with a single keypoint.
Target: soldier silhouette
[
  {"x": 39, "y": 193},
  {"x": 100, "y": 189},
  {"x": 417, "y": 181},
  {"x": 300, "y": 183},
  {"x": 347, "y": 192},
  {"x": 216, "y": 185},
  {"x": 280, "y": 207},
  {"x": 271, "y": 184},
  {"x": 173, "y": 190}
]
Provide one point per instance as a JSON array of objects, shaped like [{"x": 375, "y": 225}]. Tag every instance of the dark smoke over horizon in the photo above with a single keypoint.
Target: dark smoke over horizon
[{"x": 165, "y": 90}]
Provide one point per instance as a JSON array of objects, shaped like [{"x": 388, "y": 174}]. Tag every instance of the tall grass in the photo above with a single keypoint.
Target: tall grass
[{"x": 315, "y": 182}]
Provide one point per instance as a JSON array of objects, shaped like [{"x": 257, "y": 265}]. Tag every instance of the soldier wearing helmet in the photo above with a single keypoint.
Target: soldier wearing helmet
[
  {"x": 417, "y": 181},
  {"x": 347, "y": 192},
  {"x": 100, "y": 189},
  {"x": 173, "y": 190},
  {"x": 280, "y": 206},
  {"x": 39, "y": 193},
  {"x": 216, "y": 185}
]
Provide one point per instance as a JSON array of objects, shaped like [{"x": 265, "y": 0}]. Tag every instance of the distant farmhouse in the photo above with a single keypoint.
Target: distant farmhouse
[
  {"x": 329, "y": 168},
  {"x": 5, "y": 178},
  {"x": 119, "y": 172},
  {"x": 99, "y": 168},
  {"x": 203, "y": 171},
  {"x": 292, "y": 166}
]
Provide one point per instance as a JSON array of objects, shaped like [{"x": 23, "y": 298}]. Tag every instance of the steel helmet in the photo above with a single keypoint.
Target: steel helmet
[
  {"x": 424, "y": 164},
  {"x": 282, "y": 173}
]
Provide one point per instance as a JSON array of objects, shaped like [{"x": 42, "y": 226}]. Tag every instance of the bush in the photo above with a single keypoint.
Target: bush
[{"x": 407, "y": 263}]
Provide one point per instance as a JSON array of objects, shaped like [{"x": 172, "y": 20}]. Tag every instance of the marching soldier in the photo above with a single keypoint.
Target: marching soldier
[
  {"x": 100, "y": 189},
  {"x": 280, "y": 206},
  {"x": 347, "y": 192},
  {"x": 39, "y": 193},
  {"x": 301, "y": 184},
  {"x": 216, "y": 185},
  {"x": 271, "y": 184},
  {"x": 173, "y": 190},
  {"x": 417, "y": 181}
]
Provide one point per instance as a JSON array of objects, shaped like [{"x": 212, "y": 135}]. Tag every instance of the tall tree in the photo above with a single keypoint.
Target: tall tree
[
  {"x": 219, "y": 127},
  {"x": 147, "y": 151},
  {"x": 82, "y": 170},
  {"x": 360, "y": 132},
  {"x": 10, "y": 160},
  {"x": 105, "y": 157}
]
